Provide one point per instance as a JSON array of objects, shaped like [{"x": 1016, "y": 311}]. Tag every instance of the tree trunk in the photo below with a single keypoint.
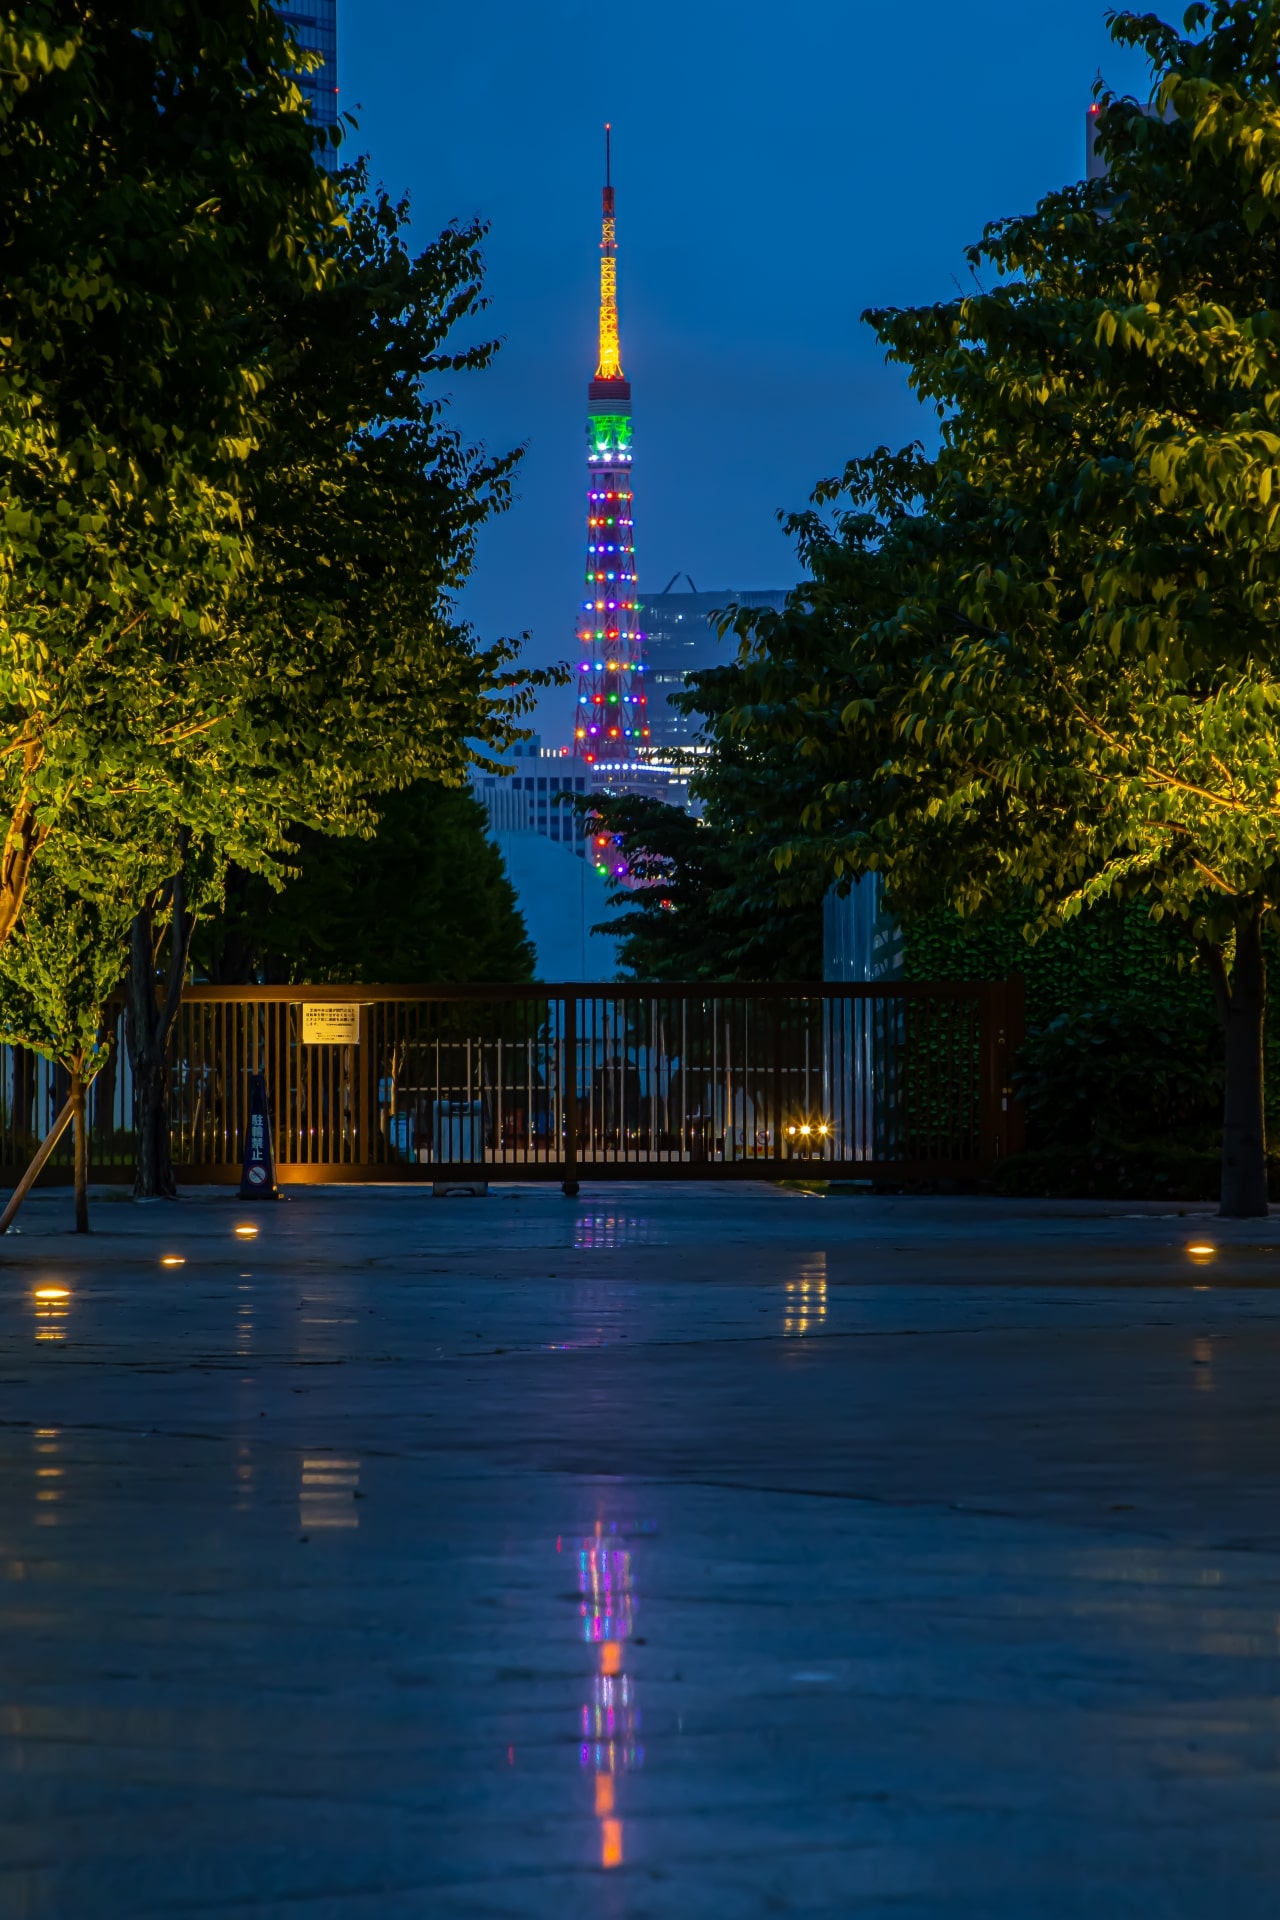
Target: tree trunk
[
  {"x": 22, "y": 842},
  {"x": 80, "y": 1118},
  {"x": 148, "y": 1039},
  {"x": 1244, "y": 1134},
  {"x": 151, "y": 1009},
  {"x": 153, "y": 1177}
]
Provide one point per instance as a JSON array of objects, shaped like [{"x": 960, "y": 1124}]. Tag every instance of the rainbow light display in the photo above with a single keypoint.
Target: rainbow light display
[{"x": 611, "y": 722}]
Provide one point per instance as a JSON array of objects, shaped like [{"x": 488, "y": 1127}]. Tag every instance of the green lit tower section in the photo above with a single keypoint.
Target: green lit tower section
[{"x": 611, "y": 729}]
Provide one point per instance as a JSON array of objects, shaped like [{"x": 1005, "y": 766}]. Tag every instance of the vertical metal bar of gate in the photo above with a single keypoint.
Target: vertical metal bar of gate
[
  {"x": 697, "y": 1080},
  {"x": 569, "y": 1085}
]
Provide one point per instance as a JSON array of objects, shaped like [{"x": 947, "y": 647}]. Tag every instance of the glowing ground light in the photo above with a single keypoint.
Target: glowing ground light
[
  {"x": 173, "y": 1260},
  {"x": 246, "y": 1233},
  {"x": 1200, "y": 1251}
]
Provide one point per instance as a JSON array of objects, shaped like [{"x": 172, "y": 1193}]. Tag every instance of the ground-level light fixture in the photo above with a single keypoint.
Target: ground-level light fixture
[
  {"x": 173, "y": 1260},
  {"x": 246, "y": 1233},
  {"x": 1200, "y": 1251}
]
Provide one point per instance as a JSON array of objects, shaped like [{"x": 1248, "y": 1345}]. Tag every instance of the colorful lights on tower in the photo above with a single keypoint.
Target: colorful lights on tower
[{"x": 611, "y": 723}]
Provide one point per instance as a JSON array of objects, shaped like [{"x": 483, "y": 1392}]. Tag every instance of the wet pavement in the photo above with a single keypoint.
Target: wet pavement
[{"x": 711, "y": 1552}]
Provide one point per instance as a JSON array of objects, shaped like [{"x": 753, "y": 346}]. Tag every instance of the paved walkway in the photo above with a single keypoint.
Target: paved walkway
[{"x": 704, "y": 1552}]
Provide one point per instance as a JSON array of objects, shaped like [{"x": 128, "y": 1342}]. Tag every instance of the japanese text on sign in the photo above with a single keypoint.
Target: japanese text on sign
[{"x": 326, "y": 1024}]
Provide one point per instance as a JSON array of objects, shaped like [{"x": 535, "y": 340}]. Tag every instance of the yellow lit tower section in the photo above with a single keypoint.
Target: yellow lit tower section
[{"x": 611, "y": 729}]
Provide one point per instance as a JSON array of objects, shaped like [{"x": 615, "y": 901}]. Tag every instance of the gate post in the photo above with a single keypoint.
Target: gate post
[{"x": 569, "y": 1094}]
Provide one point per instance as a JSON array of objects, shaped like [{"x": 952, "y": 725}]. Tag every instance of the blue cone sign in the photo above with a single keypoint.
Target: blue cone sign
[{"x": 258, "y": 1176}]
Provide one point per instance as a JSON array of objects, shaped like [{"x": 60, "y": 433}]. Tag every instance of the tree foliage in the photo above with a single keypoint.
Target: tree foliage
[
  {"x": 159, "y": 180},
  {"x": 693, "y": 907},
  {"x": 427, "y": 899},
  {"x": 1074, "y": 695},
  {"x": 58, "y": 971},
  {"x": 231, "y": 508},
  {"x": 355, "y": 674},
  {"x": 358, "y": 675}
]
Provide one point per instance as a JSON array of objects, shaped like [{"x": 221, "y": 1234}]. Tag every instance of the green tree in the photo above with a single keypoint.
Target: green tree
[
  {"x": 427, "y": 899},
  {"x": 57, "y": 973},
  {"x": 359, "y": 677},
  {"x": 1074, "y": 699},
  {"x": 233, "y": 515},
  {"x": 697, "y": 905},
  {"x": 159, "y": 184}
]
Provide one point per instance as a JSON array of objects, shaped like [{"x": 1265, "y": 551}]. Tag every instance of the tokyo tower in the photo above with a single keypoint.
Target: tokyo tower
[{"x": 611, "y": 729}]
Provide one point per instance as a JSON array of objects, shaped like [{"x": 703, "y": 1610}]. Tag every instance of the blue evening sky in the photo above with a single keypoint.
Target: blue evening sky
[{"x": 778, "y": 168}]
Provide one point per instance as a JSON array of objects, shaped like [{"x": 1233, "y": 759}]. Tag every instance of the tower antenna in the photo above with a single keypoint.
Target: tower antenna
[{"x": 610, "y": 365}]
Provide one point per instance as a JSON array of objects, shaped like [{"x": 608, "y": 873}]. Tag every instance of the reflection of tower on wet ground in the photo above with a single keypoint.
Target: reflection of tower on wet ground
[
  {"x": 610, "y": 1718},
  {"x": 593, "y": 1230}
]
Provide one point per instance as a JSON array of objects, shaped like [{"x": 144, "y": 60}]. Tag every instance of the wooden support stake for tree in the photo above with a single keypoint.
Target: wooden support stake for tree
[{"x": 36, "y": 1168}]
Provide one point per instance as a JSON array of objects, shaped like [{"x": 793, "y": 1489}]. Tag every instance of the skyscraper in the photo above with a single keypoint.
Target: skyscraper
[
  {"x": 679, "y": 639},
  {"x": 314, "y": 25},
  {"x": 610, "y": 724}
]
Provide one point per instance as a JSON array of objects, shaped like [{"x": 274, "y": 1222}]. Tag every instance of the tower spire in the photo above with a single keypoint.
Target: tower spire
[{"x": 610, "y": 365}]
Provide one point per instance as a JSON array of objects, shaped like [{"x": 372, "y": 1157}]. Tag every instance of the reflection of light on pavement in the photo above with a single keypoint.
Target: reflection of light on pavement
[
  {"x": 610, "y": 1719},
  {"x": 1202, "y": 1356},
  {"x": 597, "y": 1313},
  {"x": 323, "y": 1311},
  {"x": 327, "y": 1498},
  {"x": 48, "y": 1474},
  {"x": 244, "y": 1318},
  {"x": 244, "y": 1478},
  {"x": 51, "y": 1305},
  {"x": 610, "y": 1230},
  {"x": 806, "y": 1299}
]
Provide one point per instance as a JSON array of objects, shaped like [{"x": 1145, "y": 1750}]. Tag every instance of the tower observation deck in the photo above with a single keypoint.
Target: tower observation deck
[{"x": 611, "y": 727}]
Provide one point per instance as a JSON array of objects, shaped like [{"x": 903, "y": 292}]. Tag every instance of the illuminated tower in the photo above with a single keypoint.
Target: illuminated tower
[{"x": 610, "y": 729}]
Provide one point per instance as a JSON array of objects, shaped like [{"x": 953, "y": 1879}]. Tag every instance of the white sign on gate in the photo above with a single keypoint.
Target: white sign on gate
[{"x": 330, "y": 1023}]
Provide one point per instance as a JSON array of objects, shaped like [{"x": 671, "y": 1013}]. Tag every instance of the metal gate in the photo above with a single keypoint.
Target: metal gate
[{"x": 895, "y": 1083}]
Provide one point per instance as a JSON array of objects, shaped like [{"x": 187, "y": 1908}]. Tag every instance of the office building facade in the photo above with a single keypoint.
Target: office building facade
[
  {"x": 314, "y": 25},
  {"x": 535, "y": 797},
  {"x": 681, "y": 638}
]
